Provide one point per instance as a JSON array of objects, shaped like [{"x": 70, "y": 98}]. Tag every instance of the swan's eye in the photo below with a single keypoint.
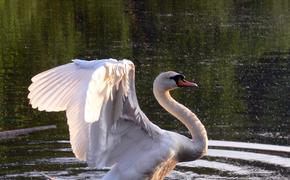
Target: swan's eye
[{"x": 178, "y": 77}]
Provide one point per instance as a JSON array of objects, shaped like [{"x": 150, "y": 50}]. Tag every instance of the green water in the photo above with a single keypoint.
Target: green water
[{"x": 237, "y": 51}]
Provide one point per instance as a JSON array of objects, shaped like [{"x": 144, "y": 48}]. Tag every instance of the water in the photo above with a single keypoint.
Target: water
[
  {"x": 40, "y": 155},
  {"x": 237, "y": 51}
]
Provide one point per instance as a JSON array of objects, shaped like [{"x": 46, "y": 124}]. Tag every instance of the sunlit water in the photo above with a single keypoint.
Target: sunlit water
[{"x": 237, "y": 51}]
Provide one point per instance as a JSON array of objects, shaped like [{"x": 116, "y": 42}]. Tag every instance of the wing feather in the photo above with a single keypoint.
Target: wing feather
[
  {"x": 53, "y": 92},
  {"x": 101, "y": 106},
  {"x": 48, "y": 84},
  {"x": 78, "y": 129},
  {"x": 41, "y": 82}
]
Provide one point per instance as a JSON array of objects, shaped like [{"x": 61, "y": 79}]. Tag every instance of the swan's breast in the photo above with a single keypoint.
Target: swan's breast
[{"x": 164, "y": 168}]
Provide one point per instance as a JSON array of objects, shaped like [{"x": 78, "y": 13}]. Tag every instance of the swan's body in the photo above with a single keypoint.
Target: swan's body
[{"x": 107, "y": 126}]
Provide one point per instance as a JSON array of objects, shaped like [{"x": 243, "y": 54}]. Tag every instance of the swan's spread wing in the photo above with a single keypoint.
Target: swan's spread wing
[{"x": 101, "y": 106}]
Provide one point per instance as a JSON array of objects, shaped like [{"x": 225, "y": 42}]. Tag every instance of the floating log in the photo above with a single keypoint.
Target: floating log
[{"x": 17, "y": 132}]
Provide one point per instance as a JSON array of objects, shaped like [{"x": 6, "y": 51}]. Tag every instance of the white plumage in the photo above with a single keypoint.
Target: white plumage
[{"x": 106, "y": 124}]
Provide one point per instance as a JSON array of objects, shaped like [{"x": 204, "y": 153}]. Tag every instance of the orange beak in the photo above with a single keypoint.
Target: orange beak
[{"x": 185, "y": 83}]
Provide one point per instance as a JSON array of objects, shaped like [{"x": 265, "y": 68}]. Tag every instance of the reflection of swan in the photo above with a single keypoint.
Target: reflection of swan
[{"x": 106, "y": 124}]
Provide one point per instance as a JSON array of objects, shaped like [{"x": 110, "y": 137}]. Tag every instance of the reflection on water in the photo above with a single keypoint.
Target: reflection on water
[
  {"x": 237, "y": 51},
  {"x": 226, "y": 159}
]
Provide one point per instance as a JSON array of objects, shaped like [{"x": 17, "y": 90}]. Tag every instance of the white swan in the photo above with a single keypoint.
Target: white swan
[{"x": 106, "y": 124}]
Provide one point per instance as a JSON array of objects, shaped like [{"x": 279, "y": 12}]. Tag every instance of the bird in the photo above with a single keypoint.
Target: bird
[{"x": 107, "y": 127}]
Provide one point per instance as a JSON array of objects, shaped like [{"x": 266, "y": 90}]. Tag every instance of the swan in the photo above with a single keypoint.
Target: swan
[{"x": 107, "y": 128}]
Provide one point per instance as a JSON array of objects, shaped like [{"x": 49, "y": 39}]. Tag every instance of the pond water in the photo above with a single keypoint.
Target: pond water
[{"x": 237, "y": 51}]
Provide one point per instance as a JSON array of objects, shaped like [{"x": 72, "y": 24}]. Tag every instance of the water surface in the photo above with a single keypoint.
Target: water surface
[{"x": 237, "y": 51}]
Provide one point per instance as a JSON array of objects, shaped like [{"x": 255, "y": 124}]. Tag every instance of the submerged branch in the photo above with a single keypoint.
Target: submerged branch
[{"x": 17, "y": 132}]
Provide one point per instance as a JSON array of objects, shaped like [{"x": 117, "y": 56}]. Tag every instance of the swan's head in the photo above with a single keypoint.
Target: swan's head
[{"x": 170, "y": 80}]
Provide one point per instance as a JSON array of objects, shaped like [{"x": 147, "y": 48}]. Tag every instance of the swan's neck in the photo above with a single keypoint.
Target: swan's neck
[{"x": 188, "y": 118}]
